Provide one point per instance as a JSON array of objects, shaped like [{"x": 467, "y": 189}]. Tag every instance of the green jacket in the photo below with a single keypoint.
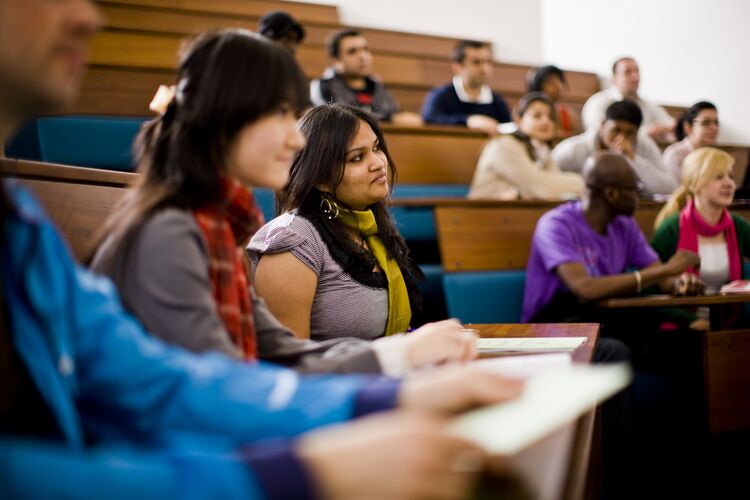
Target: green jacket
[
  {"x": 667, "y": 235},
  {"x": 665, "y": 240}
]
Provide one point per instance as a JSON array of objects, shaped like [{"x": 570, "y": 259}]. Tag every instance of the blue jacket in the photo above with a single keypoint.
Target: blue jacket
[
  {"x": 107, "y": 381},
  {"x": 443, "y": 106}
]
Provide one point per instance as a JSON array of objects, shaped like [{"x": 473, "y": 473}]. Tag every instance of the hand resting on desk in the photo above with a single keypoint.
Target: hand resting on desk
[{"x": 689, "y": 284}]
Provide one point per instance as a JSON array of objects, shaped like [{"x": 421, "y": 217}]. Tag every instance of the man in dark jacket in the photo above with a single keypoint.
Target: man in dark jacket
[
  {"x": 350, "y": 80},
  {"x": 468, "y": 100}
]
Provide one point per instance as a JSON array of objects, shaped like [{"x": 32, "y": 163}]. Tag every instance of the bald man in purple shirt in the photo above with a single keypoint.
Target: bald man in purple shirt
[{"x": 581, "y": 251}]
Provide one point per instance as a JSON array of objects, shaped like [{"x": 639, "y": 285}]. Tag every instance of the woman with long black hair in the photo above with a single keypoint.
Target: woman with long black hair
[{"x": 333, "y": 264}]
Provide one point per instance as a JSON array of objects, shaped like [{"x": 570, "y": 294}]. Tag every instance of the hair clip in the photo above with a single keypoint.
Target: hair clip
[{"x": 163, "y": 97}]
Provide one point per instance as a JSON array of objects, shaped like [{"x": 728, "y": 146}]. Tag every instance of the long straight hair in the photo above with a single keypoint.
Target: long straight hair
[
  {"x": 329, "y": 130},
  {"x": 698, "y": 169},
  {"x": 227, "y": 79}
]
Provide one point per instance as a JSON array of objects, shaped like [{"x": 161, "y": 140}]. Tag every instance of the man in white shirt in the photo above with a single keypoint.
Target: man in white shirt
[
  {"x": 626, "y": 78},
  {"x": 618, "y": 132}
]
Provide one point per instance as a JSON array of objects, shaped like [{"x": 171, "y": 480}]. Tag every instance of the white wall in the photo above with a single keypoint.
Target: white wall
[
  {"x": 688, "y": 50},
  {"x": 513, "y": 26}
]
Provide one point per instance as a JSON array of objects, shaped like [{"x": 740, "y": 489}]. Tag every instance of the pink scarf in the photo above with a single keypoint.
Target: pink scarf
[{"x": 692, "y": 225}]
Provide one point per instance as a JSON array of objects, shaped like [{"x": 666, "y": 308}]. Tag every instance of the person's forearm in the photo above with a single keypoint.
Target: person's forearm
[
  {"x": 658, "y": 275},
  {"x": 597, "y": 288},
  {"x": 666, "y": 285},
  {"x": 120, "y": 473}
]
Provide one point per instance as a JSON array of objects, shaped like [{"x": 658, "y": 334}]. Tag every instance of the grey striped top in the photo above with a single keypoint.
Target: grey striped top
[{"x": 342, "y": 306}]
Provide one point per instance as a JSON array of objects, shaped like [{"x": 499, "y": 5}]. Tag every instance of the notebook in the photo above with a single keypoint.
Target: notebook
[
  {"x": 737, "y": 286},
  {"x": 530, "y": 344}
]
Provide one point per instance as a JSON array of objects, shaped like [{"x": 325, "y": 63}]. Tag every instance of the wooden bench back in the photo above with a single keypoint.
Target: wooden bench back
[
  {"x": 449, "y": 155},
  {"x": 304, "y": 12},
  {"x": 77, "y": 199},
  {"x": 484, "y": 236},
  {"x": 434, "y": 155},
  {"x": 137, "y": 50}
]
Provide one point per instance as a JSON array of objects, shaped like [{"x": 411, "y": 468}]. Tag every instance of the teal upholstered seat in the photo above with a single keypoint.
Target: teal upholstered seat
[
  {"x": 265, "y": 199},
  {"x": 418, "y": 223},
  {"x": 485, "y": 296},
  {"x": 99, "y": 142}
]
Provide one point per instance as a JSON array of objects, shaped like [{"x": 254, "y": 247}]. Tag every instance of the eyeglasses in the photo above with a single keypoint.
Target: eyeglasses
[
  {"x": 706, "y": 123},
  {"x": 638, "y": 188}
]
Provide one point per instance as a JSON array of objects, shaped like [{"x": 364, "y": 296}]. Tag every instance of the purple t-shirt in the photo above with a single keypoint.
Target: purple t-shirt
[{"x": 563, "y": 236}]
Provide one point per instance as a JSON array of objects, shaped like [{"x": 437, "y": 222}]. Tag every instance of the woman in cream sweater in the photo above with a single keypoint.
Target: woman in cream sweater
[{"x": 518, "y": 165}]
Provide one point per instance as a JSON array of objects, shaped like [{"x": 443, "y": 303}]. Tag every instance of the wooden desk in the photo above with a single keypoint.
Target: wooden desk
[
  {"x": 577, "y": 439},
  {"x": 716, "y": 303},
  {"x": 726, "y": 350}
]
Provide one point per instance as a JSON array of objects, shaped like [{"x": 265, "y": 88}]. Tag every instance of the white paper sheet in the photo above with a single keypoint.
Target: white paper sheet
[
  {"x": 525, "y": 366},
  {"x": 530, "y": 344},
  {"x": 549, "y": 401}
]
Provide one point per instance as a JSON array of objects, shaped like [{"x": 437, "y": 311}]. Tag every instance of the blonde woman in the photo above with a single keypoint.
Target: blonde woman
[{"x": 697, "y": 218}]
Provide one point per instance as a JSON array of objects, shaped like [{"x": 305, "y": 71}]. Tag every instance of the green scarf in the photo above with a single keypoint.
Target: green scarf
[{"x": 399, "y": 309}]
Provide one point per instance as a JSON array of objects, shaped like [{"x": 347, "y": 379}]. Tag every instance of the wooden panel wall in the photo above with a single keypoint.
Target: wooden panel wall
[{"x": 140, "y": 38}]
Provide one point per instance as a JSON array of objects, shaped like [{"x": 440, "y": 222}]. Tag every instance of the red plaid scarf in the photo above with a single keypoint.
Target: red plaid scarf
[{"x": 227, "y": 227}]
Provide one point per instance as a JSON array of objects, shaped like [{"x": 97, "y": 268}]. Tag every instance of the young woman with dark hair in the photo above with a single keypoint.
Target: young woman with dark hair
[
  {"x": 697, "y": 127},
  {"x": 551, "y": 80},
  {"x": 333, "y": 263},
  {"x": 519, "y": 165},
  {"x": 175, "y": 245}
]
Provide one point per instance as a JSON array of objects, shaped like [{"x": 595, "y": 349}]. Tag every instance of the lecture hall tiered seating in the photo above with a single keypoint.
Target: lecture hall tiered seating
[
  {"x": 475, "y": 275},
  {"x": 137, "y": 51}
]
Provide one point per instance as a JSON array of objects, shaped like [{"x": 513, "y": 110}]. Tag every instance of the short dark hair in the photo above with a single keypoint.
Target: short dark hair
[
  {"x": 689, "y": 116},
  {"x": 619, "y": 60},
  {"x": 334, "y": 42},
  {"x": 276, "y": 24},
  {"x": 626, "y": 111},
  {"x": 536, "y": 77},
  {"x": 459, "y": 51}
]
